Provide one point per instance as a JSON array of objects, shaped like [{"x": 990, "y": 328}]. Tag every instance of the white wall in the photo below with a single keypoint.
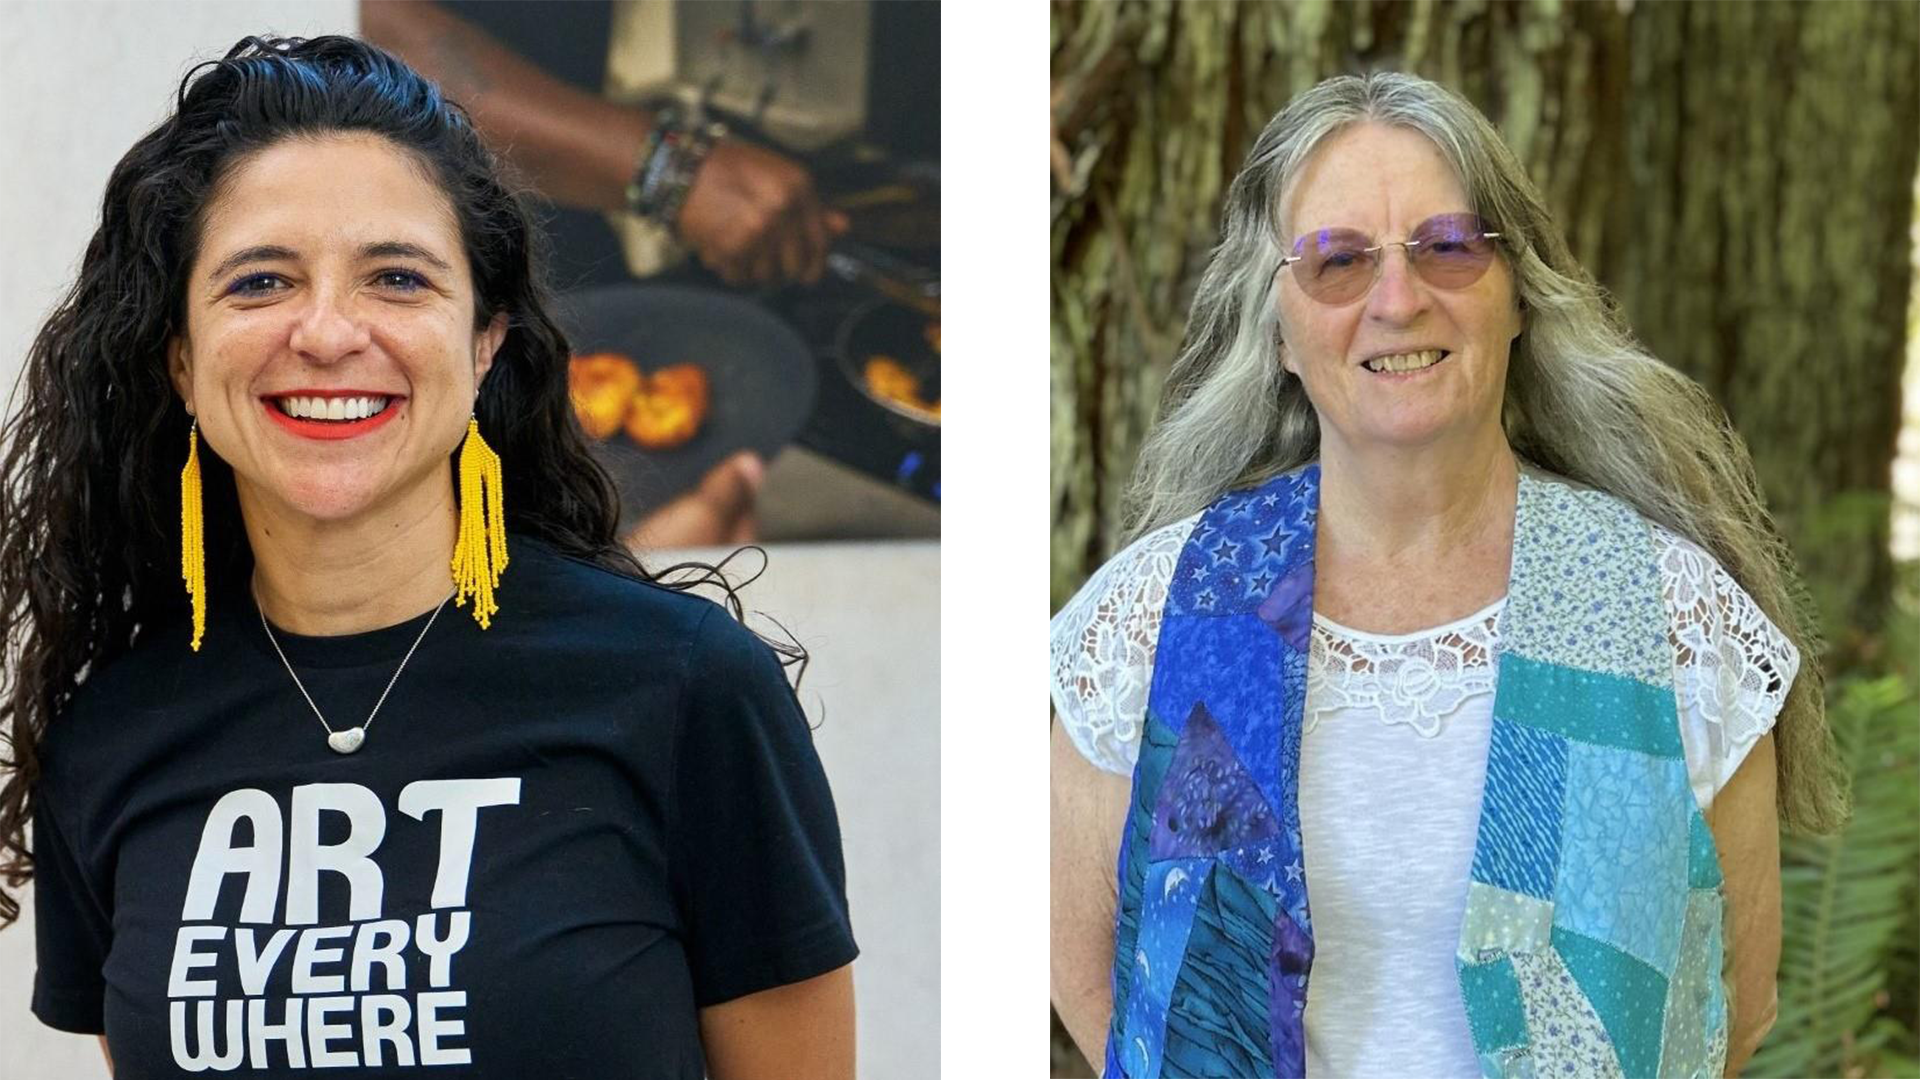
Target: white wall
[{"x": 83, "y": 81}]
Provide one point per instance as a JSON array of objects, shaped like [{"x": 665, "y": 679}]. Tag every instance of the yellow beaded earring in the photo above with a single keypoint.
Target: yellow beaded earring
[
  {"x": 480, "y": 550},
  {"x": 193, "y": 553}
]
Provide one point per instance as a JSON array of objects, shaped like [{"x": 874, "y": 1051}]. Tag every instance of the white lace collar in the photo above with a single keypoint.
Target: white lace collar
[
  {"x": 1731, "y": 668},
  {"x": 1416, "y": 679}
]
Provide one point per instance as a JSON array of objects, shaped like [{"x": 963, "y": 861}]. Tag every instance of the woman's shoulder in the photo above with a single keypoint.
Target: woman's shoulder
[
  {"x": 565, "y": 583},
  {"x": 1103, "y": 642},
  {"x": 1732, "y": 666},
  {"x": 1137, "y": 575},
  {"x": 1710, "y": 610},
  {"x": 572, "y": 588}
]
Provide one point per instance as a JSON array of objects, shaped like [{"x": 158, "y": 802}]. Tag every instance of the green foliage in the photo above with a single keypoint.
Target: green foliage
[
  {"x": 1849, "y": 900},
  {"x": 1828, "y": 541}
]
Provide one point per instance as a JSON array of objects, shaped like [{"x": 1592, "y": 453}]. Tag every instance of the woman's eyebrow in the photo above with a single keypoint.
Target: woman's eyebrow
[
  {"x": 1422, "y": 221},
  {"x": 379, "y": 249}
]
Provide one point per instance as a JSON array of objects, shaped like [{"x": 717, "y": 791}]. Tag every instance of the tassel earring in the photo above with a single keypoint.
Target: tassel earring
[
  {"x": 480, "y": 551},
  {"x": 193, "y": 553}
]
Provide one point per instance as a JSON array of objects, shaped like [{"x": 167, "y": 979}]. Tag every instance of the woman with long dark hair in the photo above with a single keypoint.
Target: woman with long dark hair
[{"x": 298, "y": 814}]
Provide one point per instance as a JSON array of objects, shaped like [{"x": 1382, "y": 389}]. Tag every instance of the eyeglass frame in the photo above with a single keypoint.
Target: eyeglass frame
[{"x": 1379, "y": 264}]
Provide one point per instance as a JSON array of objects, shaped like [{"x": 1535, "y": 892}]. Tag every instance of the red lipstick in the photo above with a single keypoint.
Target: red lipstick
[{"x": 331, "y": 429}]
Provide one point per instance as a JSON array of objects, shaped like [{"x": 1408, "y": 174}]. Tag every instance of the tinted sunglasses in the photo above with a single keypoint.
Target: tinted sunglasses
[{"x": 1335, "y": 266}]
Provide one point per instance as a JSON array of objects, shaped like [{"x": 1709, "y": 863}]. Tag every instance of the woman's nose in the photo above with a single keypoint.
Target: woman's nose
[
  {"x": 1397, "y": 285},
  {"x": 328, "y": 330}
]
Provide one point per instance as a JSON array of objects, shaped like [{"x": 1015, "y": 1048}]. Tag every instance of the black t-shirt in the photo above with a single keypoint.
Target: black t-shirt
[{"x": 563, "y": 836}]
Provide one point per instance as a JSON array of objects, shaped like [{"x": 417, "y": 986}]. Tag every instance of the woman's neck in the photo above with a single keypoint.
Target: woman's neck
[
  {"x": 326, "y": 578},
  {"x": 1393, "y": 505}
]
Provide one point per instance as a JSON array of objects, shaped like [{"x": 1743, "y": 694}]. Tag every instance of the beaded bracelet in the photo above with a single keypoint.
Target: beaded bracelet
[
  {"x": 676, "y": 147},
  {"x": 691, "y": 153},
  {"x": 641, "y": 190}
]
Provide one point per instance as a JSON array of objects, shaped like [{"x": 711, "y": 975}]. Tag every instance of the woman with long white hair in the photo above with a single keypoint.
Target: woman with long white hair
[{"x": 1441, "y": 712}]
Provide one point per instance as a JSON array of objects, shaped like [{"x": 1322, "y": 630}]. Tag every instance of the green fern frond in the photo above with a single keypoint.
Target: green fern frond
[{"x": 1848, "y": 899}]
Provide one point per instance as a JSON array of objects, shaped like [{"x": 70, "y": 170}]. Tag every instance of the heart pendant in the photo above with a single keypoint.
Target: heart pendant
[{"x": 346, "y": 742}]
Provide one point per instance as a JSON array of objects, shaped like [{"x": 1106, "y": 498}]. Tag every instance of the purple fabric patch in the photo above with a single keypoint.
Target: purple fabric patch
[
  {"x": 1208, "y": 802},
  {"x": 1289, "y": 607},
  {"x": 1287, "y": 1000}
]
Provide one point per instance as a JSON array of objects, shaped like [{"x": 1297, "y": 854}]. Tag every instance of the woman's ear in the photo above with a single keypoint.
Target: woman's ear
[
  {"x": 180, "y": 370},
  {"x": 1280, "y": 345},
  {"x": 485, "y": 345}
]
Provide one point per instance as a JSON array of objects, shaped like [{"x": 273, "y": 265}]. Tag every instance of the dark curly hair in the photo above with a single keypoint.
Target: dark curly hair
[{"x": 87, "y": 483}]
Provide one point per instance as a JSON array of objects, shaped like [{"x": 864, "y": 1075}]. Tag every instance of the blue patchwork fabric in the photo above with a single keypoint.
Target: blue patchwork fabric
[
  {"x": 1520, "y": 811},
  {"x": 1179, "y": 884},
  {"x": 1592, "y": 938},
  {"x": 1245, "y": 707},
  {"x": 1217, "y": 1021},
  {"x": 1244, "y": 546}
]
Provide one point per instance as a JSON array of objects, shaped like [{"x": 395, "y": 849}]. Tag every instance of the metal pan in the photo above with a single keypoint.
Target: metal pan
[
  {"x": 884, "y": 328},
  {"x": 761, "y": 376}
]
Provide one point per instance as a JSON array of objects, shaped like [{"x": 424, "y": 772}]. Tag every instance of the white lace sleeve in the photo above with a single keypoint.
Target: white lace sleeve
[
  {"x": 1731, "y": 666},
  {"x": 1103, "y": 641}
]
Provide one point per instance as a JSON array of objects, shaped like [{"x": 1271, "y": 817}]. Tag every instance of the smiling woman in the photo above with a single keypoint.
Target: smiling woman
[
  {"x": 592, "y": 836},
  {"x": 1441, "y": 714},
  {"x": 318, "y": 309}
]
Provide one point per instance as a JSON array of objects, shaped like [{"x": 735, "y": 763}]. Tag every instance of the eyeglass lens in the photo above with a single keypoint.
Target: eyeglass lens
[{"x": 1335, "y": 265}]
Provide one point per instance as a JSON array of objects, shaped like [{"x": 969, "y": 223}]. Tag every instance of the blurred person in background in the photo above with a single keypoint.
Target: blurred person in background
[{"x": 750, "y": 215}]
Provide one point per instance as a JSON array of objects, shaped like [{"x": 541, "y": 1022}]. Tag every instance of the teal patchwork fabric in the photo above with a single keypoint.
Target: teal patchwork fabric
[
  {"x": 1586, "y": 706},
  {"x": 1493, "y": 1005},
  {"x": 1628, "y": 983},
  {"x": 1703, "y": 861},
  {"x": 1627, "y": 994},
  {"x": 1217, "y": 1019}
]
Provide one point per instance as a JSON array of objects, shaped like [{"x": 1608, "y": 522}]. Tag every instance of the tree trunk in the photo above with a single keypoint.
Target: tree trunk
[{"x": 1739, "y": 175}]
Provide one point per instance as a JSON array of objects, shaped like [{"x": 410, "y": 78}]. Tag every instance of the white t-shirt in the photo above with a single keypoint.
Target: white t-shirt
[{"x": 1393, "y": 762}]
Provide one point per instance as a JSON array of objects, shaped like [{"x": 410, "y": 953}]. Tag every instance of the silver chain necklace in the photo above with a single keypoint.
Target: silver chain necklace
[{"x": 346, "y": 742}]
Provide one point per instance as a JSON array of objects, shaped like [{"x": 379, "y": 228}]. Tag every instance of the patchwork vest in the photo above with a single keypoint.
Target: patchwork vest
[{"x": 1591, "y": 944}]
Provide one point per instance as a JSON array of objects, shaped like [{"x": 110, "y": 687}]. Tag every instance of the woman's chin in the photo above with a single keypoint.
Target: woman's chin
[
  {"x": 1408, "y": 430},
  {"x": 325, "y": 503}
]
